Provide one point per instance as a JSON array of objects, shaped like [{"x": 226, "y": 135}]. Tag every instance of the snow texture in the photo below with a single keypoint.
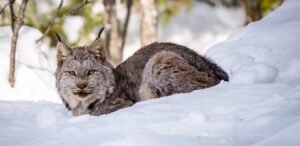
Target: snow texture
[{"x": 260, "y": 106}]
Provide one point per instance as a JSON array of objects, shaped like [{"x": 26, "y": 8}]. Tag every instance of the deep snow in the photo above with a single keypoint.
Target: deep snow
[{"x": 260, "y": 106}]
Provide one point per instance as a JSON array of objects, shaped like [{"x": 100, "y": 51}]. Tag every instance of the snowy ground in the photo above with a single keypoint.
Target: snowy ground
[
  {"x": 260, "y": 106},
  {"x": 34, "y": 77}
]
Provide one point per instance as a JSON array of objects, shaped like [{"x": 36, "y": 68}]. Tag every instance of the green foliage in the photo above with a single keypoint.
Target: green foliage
[{"x": 269, "y": 5}]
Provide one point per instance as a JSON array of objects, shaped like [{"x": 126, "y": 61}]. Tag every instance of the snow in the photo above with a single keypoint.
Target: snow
[
  {"x": 196, "y": 30},
  {"x": 254, "y": 73},
  {"x": 32, "y": 68},
  {"x": 260, "y": 106}
]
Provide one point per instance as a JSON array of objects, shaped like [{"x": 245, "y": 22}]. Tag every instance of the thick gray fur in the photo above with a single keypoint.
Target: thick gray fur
[{"x": 156, "y": 70}]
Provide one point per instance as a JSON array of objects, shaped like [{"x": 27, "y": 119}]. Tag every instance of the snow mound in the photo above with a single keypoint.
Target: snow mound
[
  {"x": 264, "y": 51},
  {"x": 32, "y": 69},
  {"x": 254, "y": 73}
]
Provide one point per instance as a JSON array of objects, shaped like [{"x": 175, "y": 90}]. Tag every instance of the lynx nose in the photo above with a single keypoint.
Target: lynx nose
[{"x": 81, "y": 85}]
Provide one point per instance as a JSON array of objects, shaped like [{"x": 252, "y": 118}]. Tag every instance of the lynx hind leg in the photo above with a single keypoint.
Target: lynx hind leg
[{"x": 167, "y": 73}]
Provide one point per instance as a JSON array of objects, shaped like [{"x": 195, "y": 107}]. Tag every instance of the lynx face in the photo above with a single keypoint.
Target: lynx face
[{"x": 83, "y": 76}]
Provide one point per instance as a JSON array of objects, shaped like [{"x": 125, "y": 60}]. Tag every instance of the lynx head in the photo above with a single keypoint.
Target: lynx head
[{"x": 83, "y": 76}]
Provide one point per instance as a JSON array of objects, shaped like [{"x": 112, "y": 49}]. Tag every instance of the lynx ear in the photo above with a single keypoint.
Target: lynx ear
[
  {"x": 97, "y": 47},
  {"x": 62, "y": 50}
]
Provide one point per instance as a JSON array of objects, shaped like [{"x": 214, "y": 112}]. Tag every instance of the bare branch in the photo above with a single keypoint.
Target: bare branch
[
  {"x": 16, "y": 25},
  {"x": 51, "y": 23},
  {"x": 3, "y": 8},
  {"x": 54, "y": 19},
  {"x": 12, "y": 13},
  {"x": 108, "y": 24},
  {"x": 76, "y": 10}
]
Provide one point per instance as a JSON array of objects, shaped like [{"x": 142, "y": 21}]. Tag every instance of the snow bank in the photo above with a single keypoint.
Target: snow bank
[
  {"x": 260, "y": 106},
  {"x": 265, "y": 51},
  {"x": 34, "y": 78}
]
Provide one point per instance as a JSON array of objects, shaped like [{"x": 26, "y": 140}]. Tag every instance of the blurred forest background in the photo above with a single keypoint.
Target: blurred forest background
[{"x": 66, "y": 16}]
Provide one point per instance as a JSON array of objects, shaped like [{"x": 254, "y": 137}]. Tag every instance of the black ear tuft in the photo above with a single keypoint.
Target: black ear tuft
[
  {"x": 100, "y": 32},
  {"x": 58, "y": 37},
  {"x": 62, "y": 51}
]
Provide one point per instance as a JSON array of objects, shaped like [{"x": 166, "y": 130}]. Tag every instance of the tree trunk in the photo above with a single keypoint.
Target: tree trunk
[
  {"x": 113, "y": 41},
  {"x": 149, "y": 21},
  {"x": 125, "y": 28}
]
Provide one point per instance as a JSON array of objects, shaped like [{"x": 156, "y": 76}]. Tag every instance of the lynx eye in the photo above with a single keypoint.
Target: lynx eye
[
  {"x": 72, "y": 73},
  {"x": 90, "y": 72}
]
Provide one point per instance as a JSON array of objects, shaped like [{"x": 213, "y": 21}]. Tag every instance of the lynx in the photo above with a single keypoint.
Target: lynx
[{"x": 88, "y": 84}]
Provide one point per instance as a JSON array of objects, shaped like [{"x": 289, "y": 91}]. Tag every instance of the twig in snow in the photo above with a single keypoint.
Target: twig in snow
[{"x": 16, "y": 24}]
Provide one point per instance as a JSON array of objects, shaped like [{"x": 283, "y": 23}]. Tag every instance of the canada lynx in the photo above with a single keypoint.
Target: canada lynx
[{"x": 88, "y": 84}]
